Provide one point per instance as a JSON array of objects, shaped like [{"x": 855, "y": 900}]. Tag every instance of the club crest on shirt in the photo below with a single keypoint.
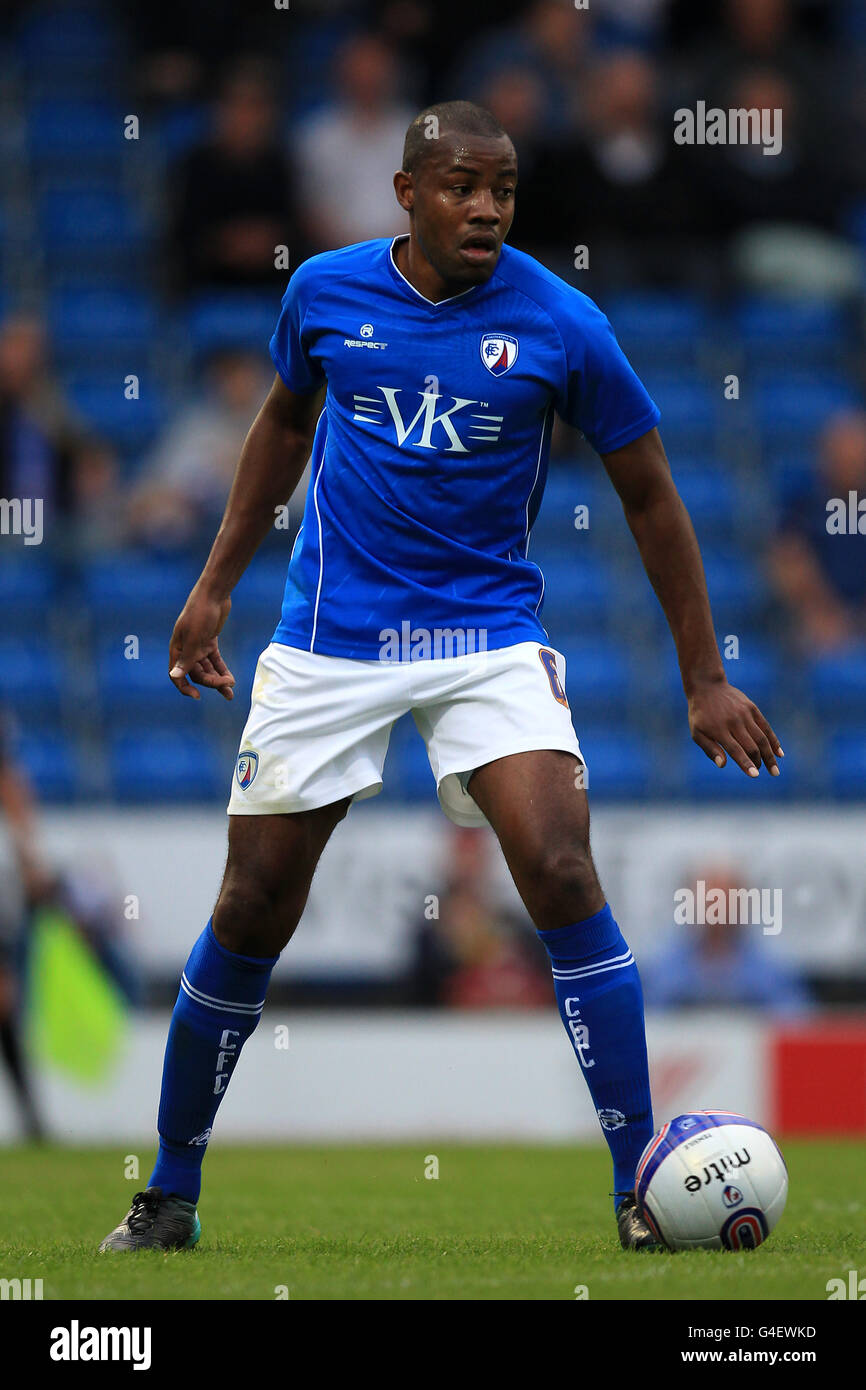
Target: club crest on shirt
[
  {"x": 499, "y": 352},
  {"x": 248, "y": 766}
]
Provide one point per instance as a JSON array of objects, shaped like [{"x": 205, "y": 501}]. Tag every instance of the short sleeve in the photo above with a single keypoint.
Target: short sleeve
[
  {"x": 602, "y": 395},
  {"x": 290, "y": 343}
]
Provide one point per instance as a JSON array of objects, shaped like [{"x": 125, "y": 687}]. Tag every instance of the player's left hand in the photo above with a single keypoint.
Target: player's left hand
[{"x": 726, "y": 723}]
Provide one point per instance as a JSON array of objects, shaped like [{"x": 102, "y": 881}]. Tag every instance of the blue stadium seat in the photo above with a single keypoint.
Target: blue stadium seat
[
  {"x": 91, "y": 132},
  {"x": 598, "y": 677},
  {"x": 32, "y": 671},
  {"x": 407, "y": 774},
  {"x": 659, "y": 326},
  {"x": 25, "y": 580},
  {"x": 61, "y": 34},
  {"x": 578, "y": 594},
  {"x": 847, "y": 759},
  {"x": 230, "y": 319},
  {"x": 133, "y": 588},
  {"x": 101, "y": 323},
  {"x": 570, "y": 486},
  {"x": 837, "y": 682},
  {"x": 798, "y": 403},
  {"x": 180, "y": 129},
  {"x": 167, "y": 765},
  {"x": 711, "y": 499},
  {"x": 689, "y": 408},
  {"x": 692, "y": 774},
  {"x": 792, "y": 332},
  {"x": 758, "y": 671},
  {"x": 53, "y": 764},
  {"x": 620, "y": 763},
  {"x": 137, "y": 682},
  {"x": 102, "y": 403},
  {"x": 737, "y": 588},
  {"x": 100, "y": 220},
  {"x": 791, "y": 467}
]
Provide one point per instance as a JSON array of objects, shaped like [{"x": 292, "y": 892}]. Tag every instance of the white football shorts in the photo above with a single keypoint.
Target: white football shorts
[{"x": 318, "y": 726}]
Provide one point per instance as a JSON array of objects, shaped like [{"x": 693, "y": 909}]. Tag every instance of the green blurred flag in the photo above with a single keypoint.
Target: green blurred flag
[{"x": 76, "y": 1014}]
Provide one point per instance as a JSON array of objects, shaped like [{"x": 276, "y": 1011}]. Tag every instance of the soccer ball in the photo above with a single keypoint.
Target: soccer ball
[{"x": 711, "y": 1180}]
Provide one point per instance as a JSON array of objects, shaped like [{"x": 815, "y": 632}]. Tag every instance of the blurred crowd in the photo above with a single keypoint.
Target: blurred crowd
[{"x": 294, "y": 145}]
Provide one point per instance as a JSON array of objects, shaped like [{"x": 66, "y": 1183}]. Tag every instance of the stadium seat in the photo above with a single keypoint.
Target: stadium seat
[
  {"x": 141, "y": 681},
  {"x": 101, "y": 324},
  {"x": 578, "y": 595},
  {"x": 180, "y": 129},
  {"x": 407, "y": 768},
  {"x": 25, "y": 580},
  {"x": 658, "y": 326},
  {"x": 790, "y": 467},
  {"x": 689, "y": 408},
  {"x": 135, "y": 588},
  {"x": 63, "y": 136},
  {"x": 710, "y": 496},
  {"x": 837, "y": 682},
  {"x": 620, "y": 764},
  {"x": 569, "y": 486},
  {"x": 757, "y": 671},
  {"x": 779, "y": 333},
  {"x": 167, "y": 765},
  {"x": 230, "y": 319},
  {"x": 847, "y": 763},
  {"x": 32, "y": 671},
  {"x": 797, "y": 403},
  {"x": 100, "y": 220},
  {"x": 62, "y": 34},
  {"x": 598, "y": 678},
  {"x": 737, "y": 588},
  {"x": 102, "y": 403},
  {"x": 53, "y": 764}
]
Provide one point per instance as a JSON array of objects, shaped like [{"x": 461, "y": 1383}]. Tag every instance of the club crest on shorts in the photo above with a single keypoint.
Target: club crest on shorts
[
  {"x": 248, "y": 766},
  {"x": 499, "y": 352}
]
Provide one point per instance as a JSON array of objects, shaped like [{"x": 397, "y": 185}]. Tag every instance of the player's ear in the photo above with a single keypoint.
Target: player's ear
[{"x": 404, "y": 187}]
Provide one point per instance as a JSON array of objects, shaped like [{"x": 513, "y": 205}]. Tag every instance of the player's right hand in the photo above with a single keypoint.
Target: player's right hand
[{"x": 194, "y": 654}]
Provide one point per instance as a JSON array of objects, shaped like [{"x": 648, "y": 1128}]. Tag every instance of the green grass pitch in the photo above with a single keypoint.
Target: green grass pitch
[{"x": 499, "y": 1222}]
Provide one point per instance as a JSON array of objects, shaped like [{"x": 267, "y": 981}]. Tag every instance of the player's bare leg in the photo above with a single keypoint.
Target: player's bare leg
[
  {"x": 271, "y": 862},
  {"x": 540, "y": 814},
  {"x": 270, "y": 866},
  {"x": 537, "y": 805}
]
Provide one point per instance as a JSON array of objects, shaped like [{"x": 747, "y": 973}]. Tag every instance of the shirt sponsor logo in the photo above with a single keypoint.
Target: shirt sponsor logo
[{"x": 431, "y": 426}]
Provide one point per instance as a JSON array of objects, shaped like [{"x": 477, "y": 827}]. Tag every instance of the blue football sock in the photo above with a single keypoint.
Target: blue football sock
[
  {"x": 218, "y": 1006},
  {"x": 601, "y": 1004}
]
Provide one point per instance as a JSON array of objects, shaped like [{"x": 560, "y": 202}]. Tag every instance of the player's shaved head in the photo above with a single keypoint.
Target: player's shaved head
[{"x": 448, "y": 118}]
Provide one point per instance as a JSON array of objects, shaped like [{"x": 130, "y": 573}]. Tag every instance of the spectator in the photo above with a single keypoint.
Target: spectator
[
  {"x": 349, "y": 152},
  {"x": 723, "y": 964},
  {"x": 26, "y": 882},
  {"x": 622, "y": 190},
  {"x": 820, "y": 574},
  {"x": 742, "y": 186},
  {"x": 551, "y": 41},
  {"x": 45, "y": 452},
  {"x": 182, "y": 492},
  {"x": 233, "y": 196},
  {"x": 476, "y": 954}
]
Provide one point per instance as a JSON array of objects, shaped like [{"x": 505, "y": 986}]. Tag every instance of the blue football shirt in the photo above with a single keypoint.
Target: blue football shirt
[{"x": 430, "y": 456}]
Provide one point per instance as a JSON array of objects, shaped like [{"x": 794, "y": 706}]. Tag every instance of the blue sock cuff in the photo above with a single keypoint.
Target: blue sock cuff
[
  {"x": 259, "y": 963},
  {"x": 593, "y": 934}
]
